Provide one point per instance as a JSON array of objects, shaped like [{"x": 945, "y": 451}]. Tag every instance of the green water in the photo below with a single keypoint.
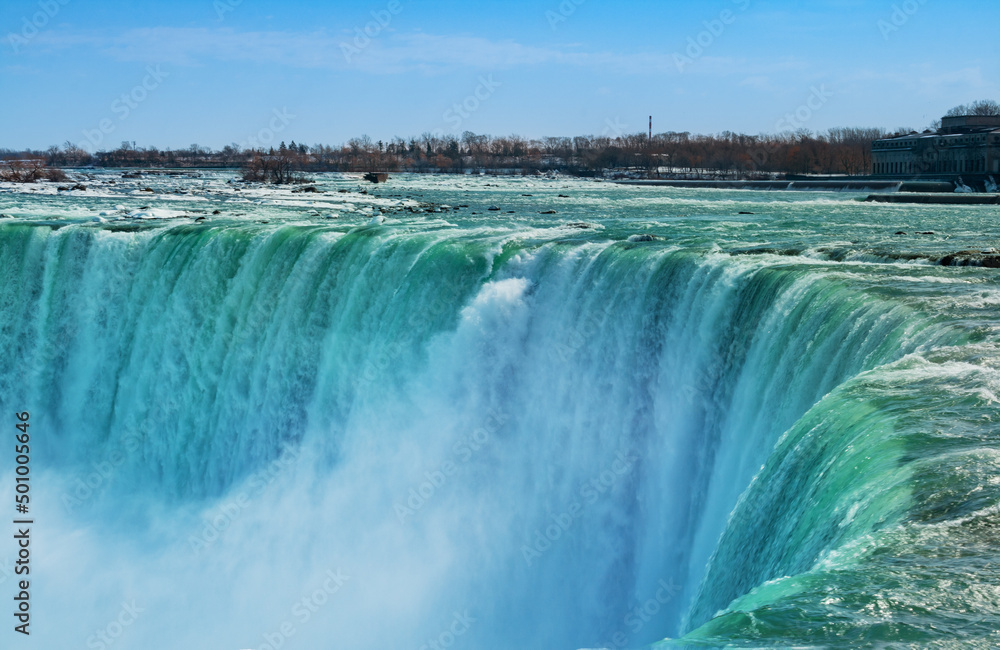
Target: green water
[{"x": 807, "y": 400}]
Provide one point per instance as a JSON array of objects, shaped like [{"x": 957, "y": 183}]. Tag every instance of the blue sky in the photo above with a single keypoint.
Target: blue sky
[{"x": 214, "y": 72}]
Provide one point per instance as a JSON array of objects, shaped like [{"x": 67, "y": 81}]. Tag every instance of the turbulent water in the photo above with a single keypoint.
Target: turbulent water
[{"x": 646, "y": 417}]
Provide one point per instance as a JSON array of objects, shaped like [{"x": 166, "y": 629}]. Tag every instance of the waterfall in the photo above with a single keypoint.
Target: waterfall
[{"x": 461, "y": 434}]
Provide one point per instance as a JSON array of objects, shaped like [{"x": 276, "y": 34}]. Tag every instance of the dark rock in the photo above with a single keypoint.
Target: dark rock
[
  {"x": 746, "y": 212},
  {"x": 494, "y": 208},
  {"x": 767, "y": 250},
  {"x": 971, "y": 258},
  {"x": 216, "y": 212},
  {"x": 548, "y": 212},
  {"x": 901, "y": 232}
]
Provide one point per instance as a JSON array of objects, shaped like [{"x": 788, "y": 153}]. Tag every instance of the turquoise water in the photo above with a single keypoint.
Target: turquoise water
[{"x": 644, "y": 417}]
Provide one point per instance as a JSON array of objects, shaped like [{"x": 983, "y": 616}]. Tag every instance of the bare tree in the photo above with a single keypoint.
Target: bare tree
[
  {"x": 28, "y": 170},
  {"x": 983, "y": 107},
  {"x": 280, "y": 167}
]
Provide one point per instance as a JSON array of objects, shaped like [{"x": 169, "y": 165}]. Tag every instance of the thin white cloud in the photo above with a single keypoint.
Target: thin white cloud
[
  {"x": 926, "y": 80},
  {"x": 389, "y": 52},
  {"x": 759, "y": 82}
]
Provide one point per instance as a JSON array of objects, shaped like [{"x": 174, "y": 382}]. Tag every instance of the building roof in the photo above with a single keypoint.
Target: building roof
[
  {"x": 913, "y": 135},
  {"x": 963, "y": 122},
  {"x": 955, "y": 126}
]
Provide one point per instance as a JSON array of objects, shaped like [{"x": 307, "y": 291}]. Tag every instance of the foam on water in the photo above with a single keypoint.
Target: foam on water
[{"x": 498, "y": 428}]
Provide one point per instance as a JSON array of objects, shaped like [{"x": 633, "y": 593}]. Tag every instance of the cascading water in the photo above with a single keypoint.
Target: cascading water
[{"x": 292, "y": 435}]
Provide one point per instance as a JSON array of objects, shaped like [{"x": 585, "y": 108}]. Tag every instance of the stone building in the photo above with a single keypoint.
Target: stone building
[{"x": 964, "y": 146}]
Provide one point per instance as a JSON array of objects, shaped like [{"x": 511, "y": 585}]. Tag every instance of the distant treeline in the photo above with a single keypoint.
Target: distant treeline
[{"x": 728, "y": 155}]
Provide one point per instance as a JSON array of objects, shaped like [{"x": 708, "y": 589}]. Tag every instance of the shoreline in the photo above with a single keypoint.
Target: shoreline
[
  {"x": 939, "y": 187},
  {"x": 936, "y": 199}
]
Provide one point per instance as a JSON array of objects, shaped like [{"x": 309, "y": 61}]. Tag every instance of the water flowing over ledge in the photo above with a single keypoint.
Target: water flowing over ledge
[{"x": 525, "y": 436}]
